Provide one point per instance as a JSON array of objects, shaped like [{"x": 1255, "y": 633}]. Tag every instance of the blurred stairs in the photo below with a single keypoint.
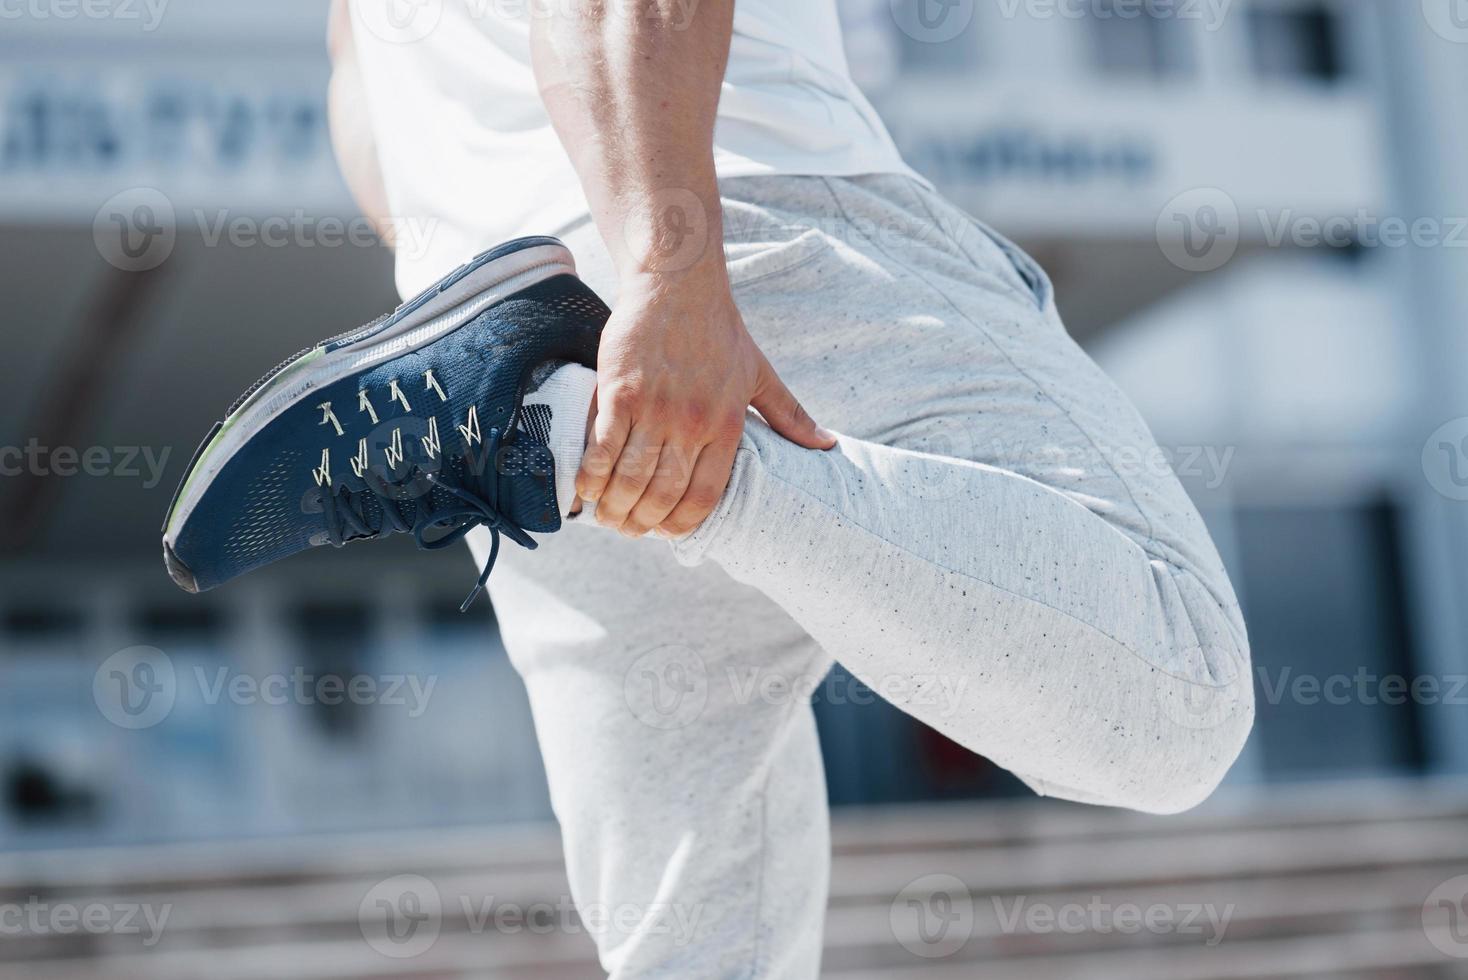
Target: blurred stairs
[{"x": 1307, "y": 882}]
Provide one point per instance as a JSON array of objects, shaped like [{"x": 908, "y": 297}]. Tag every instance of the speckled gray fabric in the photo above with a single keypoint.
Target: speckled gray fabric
[{"x": 995, "y": 546}]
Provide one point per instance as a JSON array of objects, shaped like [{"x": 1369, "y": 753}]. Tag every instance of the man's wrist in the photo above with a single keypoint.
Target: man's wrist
[
  {"x": 670, "y": 233},
  {"x": 706, "y": 277}
]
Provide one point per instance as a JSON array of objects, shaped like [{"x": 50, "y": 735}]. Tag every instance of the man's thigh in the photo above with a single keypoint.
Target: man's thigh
[{"x": 898, "y": 319}]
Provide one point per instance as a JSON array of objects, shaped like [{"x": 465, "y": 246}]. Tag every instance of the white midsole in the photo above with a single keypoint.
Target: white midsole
[{"x": 518, "y": 270}]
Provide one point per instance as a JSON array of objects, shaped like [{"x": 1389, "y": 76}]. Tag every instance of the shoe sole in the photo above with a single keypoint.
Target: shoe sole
[{"x": 447, "y": 305}]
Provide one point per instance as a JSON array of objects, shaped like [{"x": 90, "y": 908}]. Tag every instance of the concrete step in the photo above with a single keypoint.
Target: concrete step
[
  {"x": 1316, "y": 883},
  {"x": 943, "y": 827}
]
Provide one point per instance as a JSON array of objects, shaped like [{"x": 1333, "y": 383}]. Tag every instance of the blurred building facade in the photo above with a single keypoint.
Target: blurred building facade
[{"x": 1217, "y": 188}]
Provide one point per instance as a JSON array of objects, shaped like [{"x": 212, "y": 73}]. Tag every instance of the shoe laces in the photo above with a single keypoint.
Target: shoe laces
[{"x": 474, "y": 491}]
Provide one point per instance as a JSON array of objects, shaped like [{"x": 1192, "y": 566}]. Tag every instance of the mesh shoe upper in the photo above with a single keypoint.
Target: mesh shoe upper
[{"x": 429, "y": 442}]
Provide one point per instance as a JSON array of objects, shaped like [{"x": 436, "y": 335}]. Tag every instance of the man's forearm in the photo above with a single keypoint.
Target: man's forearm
[{"x": 633, "y": 91}]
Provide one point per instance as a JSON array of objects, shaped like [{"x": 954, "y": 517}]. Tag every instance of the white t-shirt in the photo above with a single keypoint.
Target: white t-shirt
[{"x": 468, "y": 153}]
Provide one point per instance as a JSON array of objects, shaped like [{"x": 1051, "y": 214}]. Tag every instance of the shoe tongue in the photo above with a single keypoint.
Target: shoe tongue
[{"x": 528, "y": 486}]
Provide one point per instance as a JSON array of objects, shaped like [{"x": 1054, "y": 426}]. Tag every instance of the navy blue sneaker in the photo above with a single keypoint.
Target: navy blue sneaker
[{"x": 412, "y": 423}]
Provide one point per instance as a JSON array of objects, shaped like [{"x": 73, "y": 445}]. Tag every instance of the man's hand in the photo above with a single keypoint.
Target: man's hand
[
  {"x": 633, "y": 92},
  {"x": 676, "y": 372}
]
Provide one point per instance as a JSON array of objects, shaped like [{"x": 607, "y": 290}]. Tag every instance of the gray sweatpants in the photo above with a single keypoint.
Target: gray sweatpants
[{"x": 996, "y": 546}]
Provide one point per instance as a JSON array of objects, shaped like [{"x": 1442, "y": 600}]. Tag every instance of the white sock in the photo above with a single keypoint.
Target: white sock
[{"x": 555, "y": 413}]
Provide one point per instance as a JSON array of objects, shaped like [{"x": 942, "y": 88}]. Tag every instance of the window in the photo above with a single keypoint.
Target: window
[
  {"x": 1138, "y": 39},
  {"x": 935, "y": 36},
  {"x": 332, "y": 642},
  {"x": 1323, "y": 597},
  {"x": 1298, "y": 41}
]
